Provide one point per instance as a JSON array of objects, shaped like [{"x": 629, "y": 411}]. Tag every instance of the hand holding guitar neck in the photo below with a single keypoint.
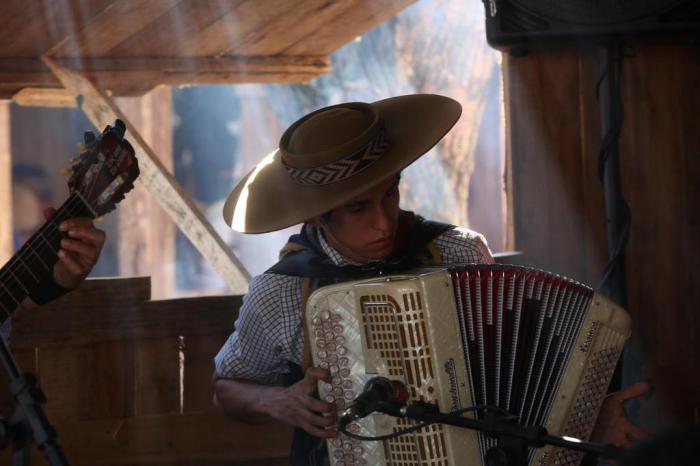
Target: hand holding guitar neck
[{"x": 63, "y": 251}]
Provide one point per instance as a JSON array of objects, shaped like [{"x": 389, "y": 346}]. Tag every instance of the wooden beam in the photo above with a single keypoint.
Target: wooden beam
[
  {"x": 133, "y": 76},
  {"x": 102, "y": 110},
  {"x": 6, "y": 243},
  {"x": 110, "y": 72},
  {"x": 44, "y": 97}
]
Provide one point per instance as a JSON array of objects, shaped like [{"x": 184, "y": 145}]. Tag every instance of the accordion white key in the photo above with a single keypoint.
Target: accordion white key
[{"x": 536, "y": 344}]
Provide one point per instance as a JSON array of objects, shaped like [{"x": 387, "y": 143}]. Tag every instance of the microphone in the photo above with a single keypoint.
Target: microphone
[{"x": 377, "y": 390}]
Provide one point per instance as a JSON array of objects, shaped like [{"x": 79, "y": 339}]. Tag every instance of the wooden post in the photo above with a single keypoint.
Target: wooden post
[
  {"x": 146, "y": 232},
  {"x": 6, "y": 246},
  {"x": 103, "y": 110}
]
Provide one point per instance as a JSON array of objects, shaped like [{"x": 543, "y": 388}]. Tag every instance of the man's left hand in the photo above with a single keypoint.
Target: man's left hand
[
  {"x": 79, "y": 251},
  {"x": 613, "y": 425}
]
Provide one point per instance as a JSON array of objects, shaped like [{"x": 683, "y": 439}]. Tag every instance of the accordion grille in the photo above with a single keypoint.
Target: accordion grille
[{"x": 399, "y": 336}]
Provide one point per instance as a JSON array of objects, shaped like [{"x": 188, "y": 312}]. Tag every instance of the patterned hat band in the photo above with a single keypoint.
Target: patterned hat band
[{"x": 343, "y": 168}]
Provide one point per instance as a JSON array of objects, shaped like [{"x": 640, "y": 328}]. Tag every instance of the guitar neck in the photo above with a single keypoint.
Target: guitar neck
[{"x": 34, "y": 262}]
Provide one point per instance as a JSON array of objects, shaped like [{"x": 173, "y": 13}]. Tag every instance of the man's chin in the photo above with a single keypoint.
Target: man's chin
[{"x": 377, "y": 254}]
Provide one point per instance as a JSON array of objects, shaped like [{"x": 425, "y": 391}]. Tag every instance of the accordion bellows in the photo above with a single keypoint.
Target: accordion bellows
[{"x": 538, "y": 345}]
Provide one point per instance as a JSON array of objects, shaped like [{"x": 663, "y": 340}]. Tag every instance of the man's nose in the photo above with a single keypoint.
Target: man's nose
[{"x": 381, "y": 219}]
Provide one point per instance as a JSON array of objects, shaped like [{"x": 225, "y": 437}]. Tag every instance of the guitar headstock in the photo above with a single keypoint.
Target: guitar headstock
[{"x": 105, "y": 170}]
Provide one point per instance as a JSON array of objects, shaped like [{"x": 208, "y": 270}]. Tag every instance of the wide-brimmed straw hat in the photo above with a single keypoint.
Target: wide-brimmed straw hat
[{"x": 330, "y": 156}]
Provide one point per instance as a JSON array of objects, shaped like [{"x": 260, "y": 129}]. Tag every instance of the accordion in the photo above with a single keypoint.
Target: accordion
[{"x": 535, "y": 344}]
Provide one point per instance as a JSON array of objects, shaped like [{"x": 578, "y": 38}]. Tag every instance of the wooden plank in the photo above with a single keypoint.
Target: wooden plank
[
  {"x": 88, "y": 324},
  {"x": 199, "y": 354},
  {"x": 191, "y": 437},
  {"x": 109, "y": 381},
  {"x": 594, "y": 253},
  {"x": 331, "y": 35},
  {"x": 186, "y": 29},
  {"x": 146, "y": 231},
  {"x": 102, "y": 110},
  {"x": 114, "y": 310},
  {"x": 44, "y": 97},
  {"x": 31, "y": 28},
  {"x": 26, "y": 360},
  {"x": 157, "y": 376},
  {"x": 659, "y": 173},
  {"x": 6, "y": 232},
  {"x": 251, "y": 31},
  {"x": 545, "y": 148},
  {"x": 62, "y": 375},
  {"x": 114, "y": 25}
]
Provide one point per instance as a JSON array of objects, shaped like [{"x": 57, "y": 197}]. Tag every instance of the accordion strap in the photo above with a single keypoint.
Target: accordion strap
[{"x": 305, "y": 293}]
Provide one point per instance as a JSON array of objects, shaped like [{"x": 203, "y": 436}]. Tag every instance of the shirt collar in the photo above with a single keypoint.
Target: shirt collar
[{"x": 335, "y": 257}]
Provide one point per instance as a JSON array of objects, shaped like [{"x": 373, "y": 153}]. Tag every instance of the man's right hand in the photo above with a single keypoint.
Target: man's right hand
[{"x": 297, "y": 405}]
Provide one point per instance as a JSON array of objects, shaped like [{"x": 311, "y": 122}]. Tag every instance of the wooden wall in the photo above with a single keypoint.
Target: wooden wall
[
  {"x": 129, "y": 380},
  {"x": 557, "y": 213}
]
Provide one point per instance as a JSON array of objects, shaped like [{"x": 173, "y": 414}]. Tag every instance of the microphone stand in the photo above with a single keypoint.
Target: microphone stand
[
  {"x": 513, "y": 439},
  {"x": 29, "y": 421}
]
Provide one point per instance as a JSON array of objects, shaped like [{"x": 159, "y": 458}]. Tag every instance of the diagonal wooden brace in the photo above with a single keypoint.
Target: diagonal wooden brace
[{"x": 102, "y": 110}]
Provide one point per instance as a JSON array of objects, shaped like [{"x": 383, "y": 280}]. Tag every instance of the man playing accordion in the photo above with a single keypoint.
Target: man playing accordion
[{"x": 337, "y": 170}]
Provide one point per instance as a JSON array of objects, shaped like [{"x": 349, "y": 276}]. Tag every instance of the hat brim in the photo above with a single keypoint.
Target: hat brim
[{"x": 267, "y": 199}]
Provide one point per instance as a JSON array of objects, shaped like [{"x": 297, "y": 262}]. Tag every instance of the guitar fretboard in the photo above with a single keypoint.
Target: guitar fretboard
[{"x": 34, "y": 262}]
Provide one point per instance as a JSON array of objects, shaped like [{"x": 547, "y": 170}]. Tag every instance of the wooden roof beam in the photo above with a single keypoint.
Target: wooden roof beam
[
  {"x": 133, "y": 76},
  {"x": 110, "y": 72},
  {"x": 102, "y": 110}
]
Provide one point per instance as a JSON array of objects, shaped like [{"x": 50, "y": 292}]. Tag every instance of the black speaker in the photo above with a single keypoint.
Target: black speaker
[{"x": 518, "y": 25}]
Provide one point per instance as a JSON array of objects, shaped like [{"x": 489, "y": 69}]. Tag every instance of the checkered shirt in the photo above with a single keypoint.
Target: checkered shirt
[{"x": 268, "y": 332}]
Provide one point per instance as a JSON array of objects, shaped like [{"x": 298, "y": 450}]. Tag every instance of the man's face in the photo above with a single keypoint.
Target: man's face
[{"x": 364, "y": 229}]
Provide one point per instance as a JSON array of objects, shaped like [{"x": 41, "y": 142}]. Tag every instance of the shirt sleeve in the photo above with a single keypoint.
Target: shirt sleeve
[
  {"x": 461, "y": 245},
  {"x": 265, "y": 332}
]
